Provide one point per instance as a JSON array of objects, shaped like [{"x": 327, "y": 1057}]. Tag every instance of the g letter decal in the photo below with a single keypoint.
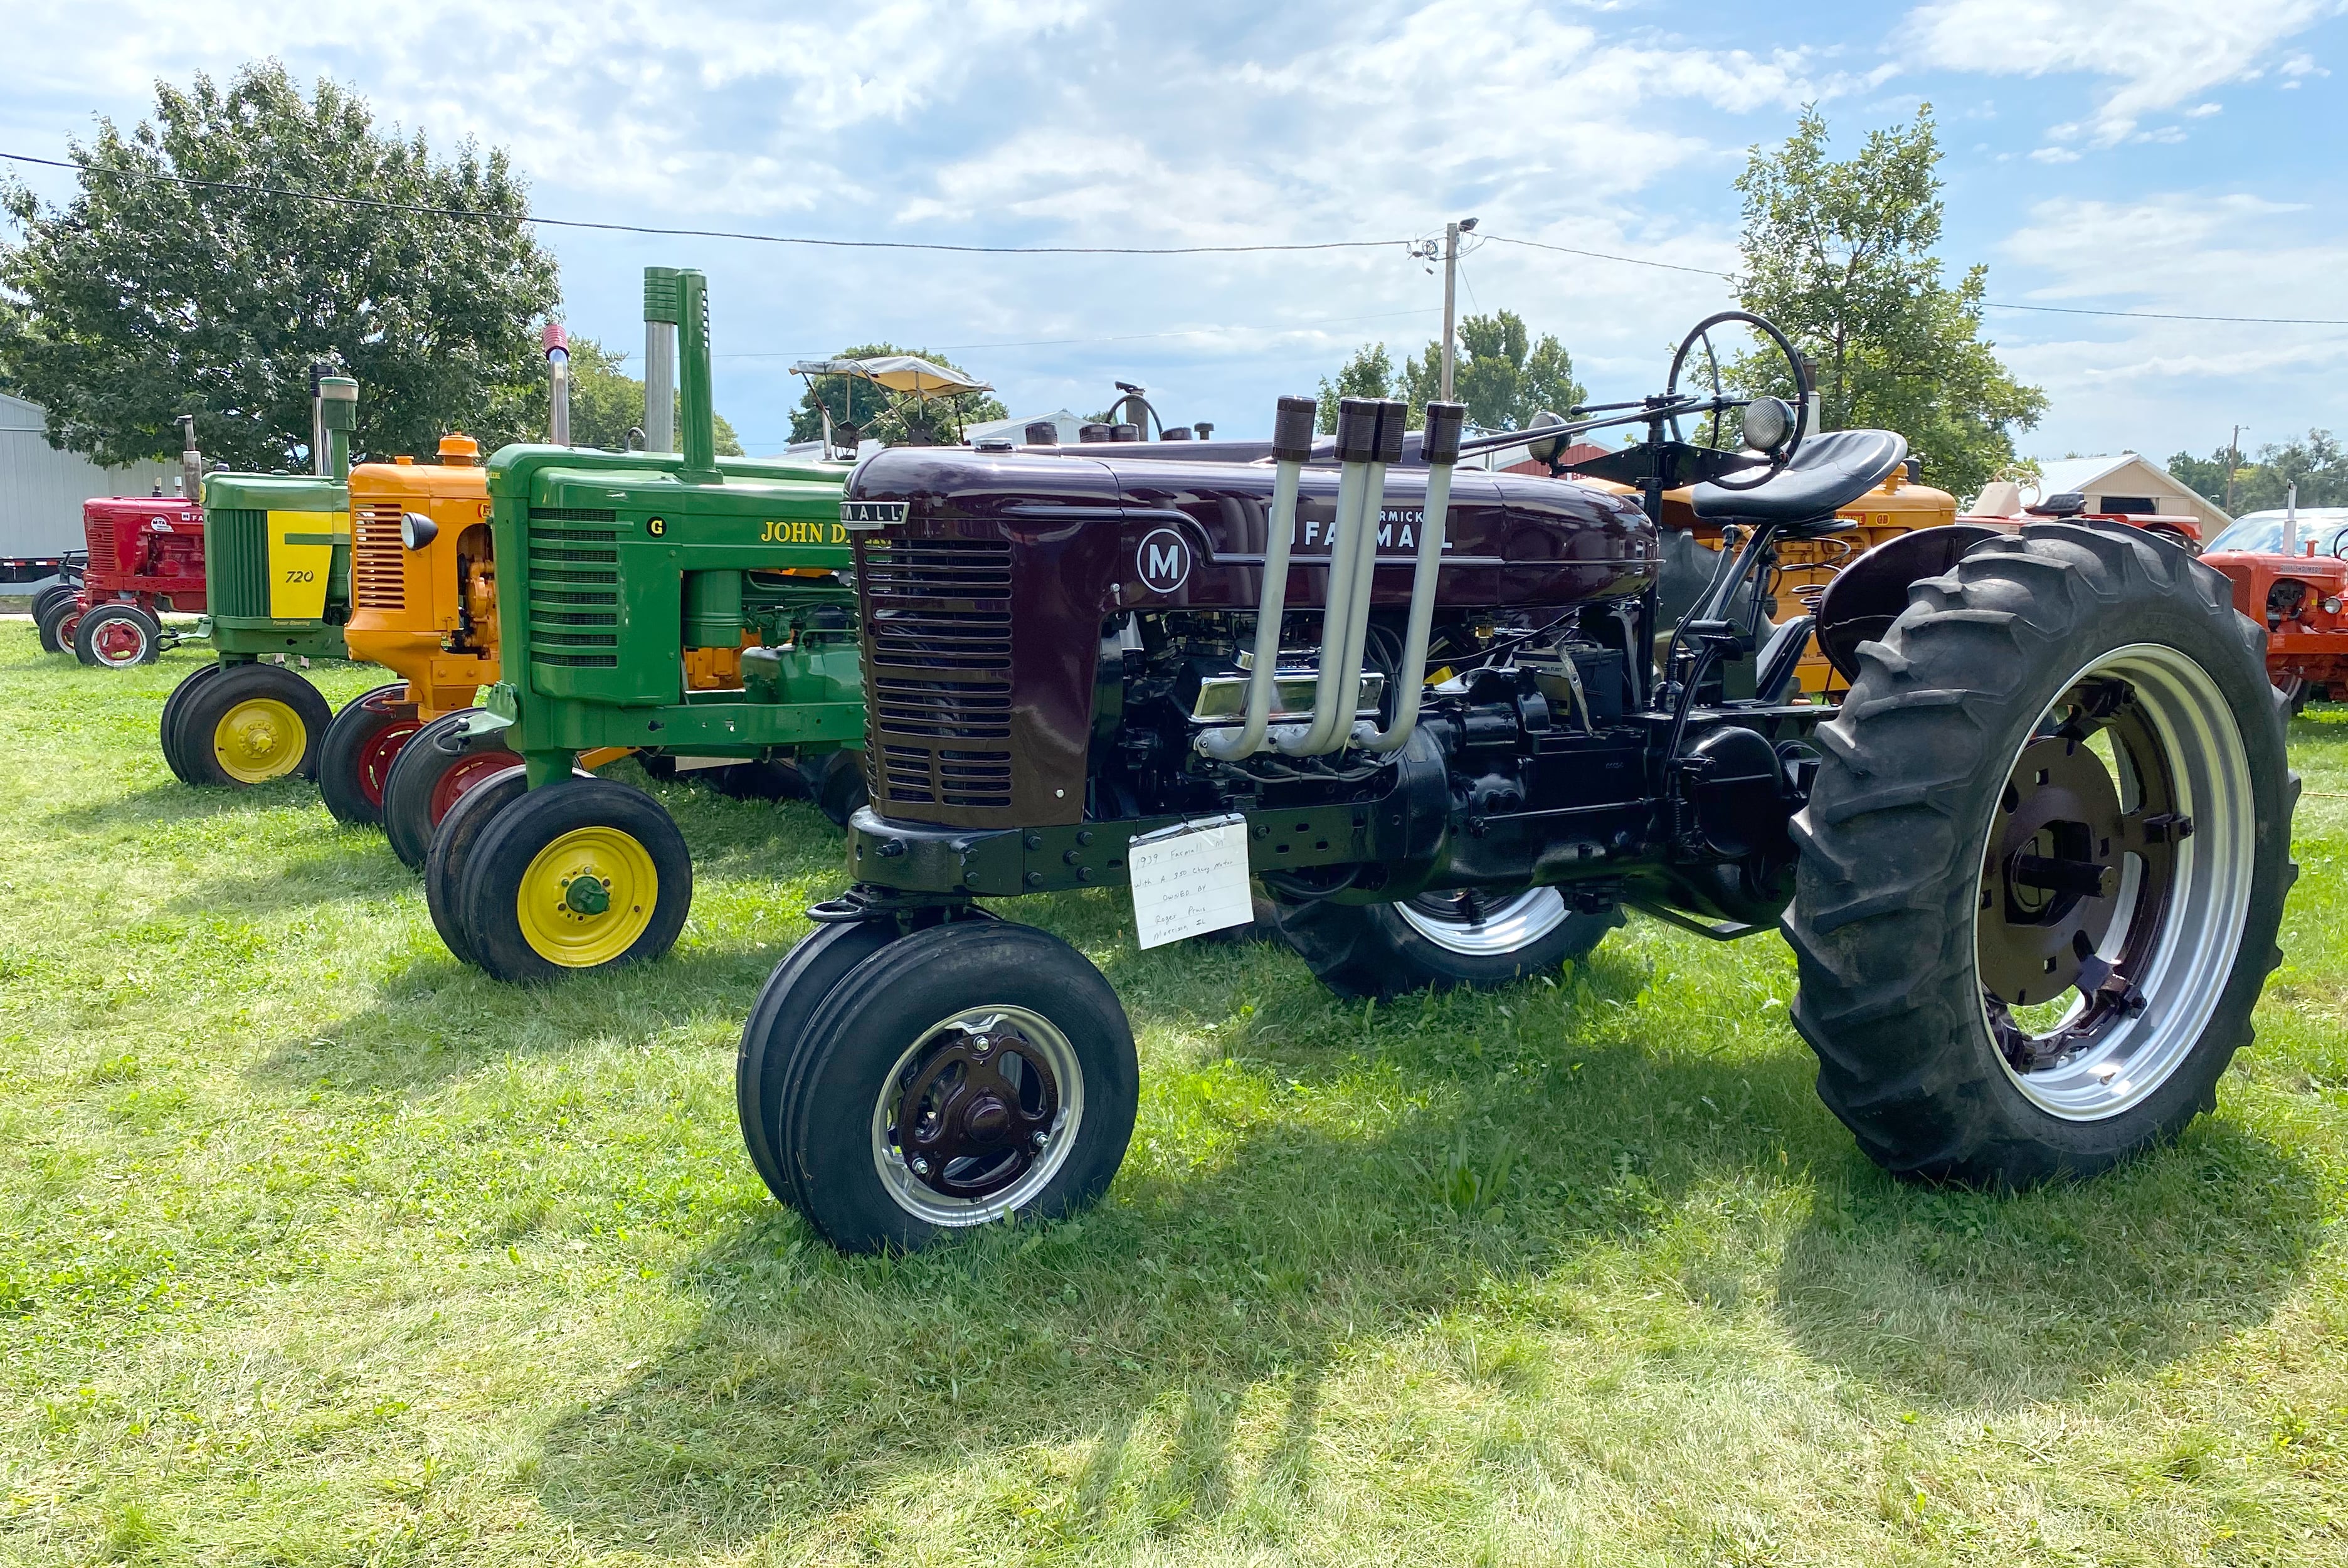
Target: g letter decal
[{"x": 1163, "y": 561}]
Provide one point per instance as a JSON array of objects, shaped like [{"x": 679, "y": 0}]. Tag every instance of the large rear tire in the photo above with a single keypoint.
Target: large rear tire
[
  {"x": 360, "y": 747},
  {"x": 2043, "y": 861},
  {"x": 836, "y": 781},
  {"x": 962, "y": 1073},
  {"x": 1439, "y": 941},
  {"x": 252, "y": 724},
  {"x": 434, "y": 767},
  {"x": 584, "y": 874}
]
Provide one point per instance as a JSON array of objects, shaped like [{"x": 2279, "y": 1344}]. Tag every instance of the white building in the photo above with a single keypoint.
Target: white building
[
  {"x": 2126, "y": 483},
  {"x": 42, "y": 489}
]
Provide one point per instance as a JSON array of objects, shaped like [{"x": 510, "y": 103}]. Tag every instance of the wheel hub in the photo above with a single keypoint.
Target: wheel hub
[
  {"x": 2054, "y": 883},
  {"x": 976, "y": 1112}
]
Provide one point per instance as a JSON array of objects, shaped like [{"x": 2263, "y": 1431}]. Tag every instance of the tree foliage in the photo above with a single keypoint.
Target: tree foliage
[
  {"x": 606, "y": 402},
  {"x": 1501, "y": 373},
  {"x": 1841, "y": 255},
  {"x": 883, "y": 417},
  {"x": 142, "y": 297},
  {"x": 2318, "y": 466}
]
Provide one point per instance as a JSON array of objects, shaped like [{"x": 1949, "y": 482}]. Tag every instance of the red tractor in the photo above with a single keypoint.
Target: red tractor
[
  {"x": 2288, "y": 575},
  {"x": 146, "y": 556}
]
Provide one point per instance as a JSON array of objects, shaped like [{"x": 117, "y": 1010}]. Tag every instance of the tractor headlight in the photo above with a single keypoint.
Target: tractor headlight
[
  {"x": 416, "y": 530},
  {"x": 2331, "y": 606}
]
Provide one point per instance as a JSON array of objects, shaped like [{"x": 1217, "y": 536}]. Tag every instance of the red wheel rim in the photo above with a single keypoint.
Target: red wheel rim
[
  {"x": 67, "y": 628},
  {"x": 380, "y": 750},
  {"x": 121, "y": 641},
  {"x": 465, "y": 775}
]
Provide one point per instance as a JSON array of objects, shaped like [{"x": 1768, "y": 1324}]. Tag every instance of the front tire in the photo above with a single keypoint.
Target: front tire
[
  {"x": 1439, "y": 941},
  {"x": 117, "y": 637},
  {"x": 169, "y": 730},
  {"x": 957, "y": 1076},
  {"x": 252, "y": 723},
  {"x": 452, "y": 852},
  {"x": 584, "y": 873},
  {"x": 434, "y": 767},
  {"x": 360, "y": 746},
  {"x": 770, "y": 1036},
  {"x": 57, "y": 625},
  {"x": 2043, "y": 861}
]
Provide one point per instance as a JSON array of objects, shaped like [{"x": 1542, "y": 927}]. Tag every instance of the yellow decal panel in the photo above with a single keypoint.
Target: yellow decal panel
[{"x": 300, "y": 558}]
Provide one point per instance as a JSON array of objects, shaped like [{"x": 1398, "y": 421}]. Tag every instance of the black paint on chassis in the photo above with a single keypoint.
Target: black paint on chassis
[{"x": 1891, "y": 872}]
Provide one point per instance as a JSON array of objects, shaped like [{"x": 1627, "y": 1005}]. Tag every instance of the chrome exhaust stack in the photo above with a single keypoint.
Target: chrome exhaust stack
[
  {"x": 1369, "y": 437},
  {"x": 557, "y": 390},
  {"x": 1292, "y": 448},
  {"x": 1441, "y": 444}
]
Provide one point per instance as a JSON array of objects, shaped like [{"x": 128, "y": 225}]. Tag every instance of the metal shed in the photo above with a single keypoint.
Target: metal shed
[{"x": 42, "y": 489}]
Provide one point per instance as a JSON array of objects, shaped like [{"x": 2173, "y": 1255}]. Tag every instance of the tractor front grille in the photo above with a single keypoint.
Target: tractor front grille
[
  {"x": 574, "y": 588},
  {"x": 236, "y": 561},
  {"x": 937, "y": 677},
  {"x": 378, "y": 559}
]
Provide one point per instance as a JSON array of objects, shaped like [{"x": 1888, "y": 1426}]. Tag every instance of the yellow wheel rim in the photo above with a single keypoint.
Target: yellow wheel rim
[
  {"x": 587, "y": 897},
  {"x": 258, "y": 739}
]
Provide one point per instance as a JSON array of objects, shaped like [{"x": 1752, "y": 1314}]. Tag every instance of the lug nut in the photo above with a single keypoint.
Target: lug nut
[
  {"x": 1040, "y": 1139},
  {"x": 921, "y": 1166}
]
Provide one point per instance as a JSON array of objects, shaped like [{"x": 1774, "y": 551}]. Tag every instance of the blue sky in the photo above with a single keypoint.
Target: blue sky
[{"x": 2155, "y": 156}]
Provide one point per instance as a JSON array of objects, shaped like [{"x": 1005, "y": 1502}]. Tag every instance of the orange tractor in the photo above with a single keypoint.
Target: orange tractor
[{"x": 423, "y": 605}]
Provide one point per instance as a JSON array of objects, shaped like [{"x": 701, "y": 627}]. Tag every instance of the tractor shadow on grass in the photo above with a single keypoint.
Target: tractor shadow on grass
[{"x": 1436, "y": 1174}]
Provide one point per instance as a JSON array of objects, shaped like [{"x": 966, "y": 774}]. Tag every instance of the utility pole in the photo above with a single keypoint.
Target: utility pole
[
  {"x": 2233, "y": 461},
  {"x": 1451, "y": 232}
]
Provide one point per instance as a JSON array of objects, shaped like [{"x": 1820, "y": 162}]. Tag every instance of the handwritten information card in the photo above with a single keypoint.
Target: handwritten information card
[{"x": 1189, "y": 878}]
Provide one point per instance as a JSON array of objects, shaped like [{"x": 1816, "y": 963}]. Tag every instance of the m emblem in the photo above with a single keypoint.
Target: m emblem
[{"x": 1163, "y": 561}]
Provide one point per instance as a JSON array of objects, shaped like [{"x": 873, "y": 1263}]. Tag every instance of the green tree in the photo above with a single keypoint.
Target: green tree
[
  {"x": 2318, "y": 466},
  {"x": 606, "y": 402},
  {"x": 883, "y": 417},
  {"x": 144, "y": 297},
  {"x": 1368, "y": 374},
  {"x": 1841, "y": 255},
  {"x": 1499, "y": 372}
]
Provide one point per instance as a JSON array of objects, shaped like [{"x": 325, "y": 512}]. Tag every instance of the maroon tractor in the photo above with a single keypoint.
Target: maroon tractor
[
  {"x": 2031, "y": 867},
  {"x": 146, "y": 557}
]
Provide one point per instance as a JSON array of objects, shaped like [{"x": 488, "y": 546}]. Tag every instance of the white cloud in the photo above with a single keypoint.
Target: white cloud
[
  {"x": 2161, "y": 385},
  {"x": 2154, "y": 54}
]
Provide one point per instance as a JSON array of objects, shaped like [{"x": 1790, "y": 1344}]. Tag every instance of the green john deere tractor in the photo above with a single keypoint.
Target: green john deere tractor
[
  {"x": 277, "y": 585},
  {"x": 683, "y": 607}
]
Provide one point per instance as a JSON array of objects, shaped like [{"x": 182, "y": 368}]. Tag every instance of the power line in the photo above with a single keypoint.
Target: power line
[
  {"x": 379, "y": 204},
  {"x": 1987, "y": 305},
  {"x": 1123, "y": 337},
  {"x": 1608, "y": 256}
]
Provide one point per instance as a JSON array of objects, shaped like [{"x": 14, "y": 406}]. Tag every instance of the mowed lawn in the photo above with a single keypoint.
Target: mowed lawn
[{"x": 316, "y": 1247}]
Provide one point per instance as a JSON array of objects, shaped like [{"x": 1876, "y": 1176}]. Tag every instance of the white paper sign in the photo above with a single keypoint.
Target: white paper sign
[{"x": 1190, "y": 880}]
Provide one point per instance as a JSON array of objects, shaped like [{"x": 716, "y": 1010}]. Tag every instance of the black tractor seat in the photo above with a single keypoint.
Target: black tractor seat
[{"x": 1829, "y": 472}]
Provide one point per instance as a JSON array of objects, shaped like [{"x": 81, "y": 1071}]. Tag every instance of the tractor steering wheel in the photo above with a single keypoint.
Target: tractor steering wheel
[{"x": 1781, "y": 452}]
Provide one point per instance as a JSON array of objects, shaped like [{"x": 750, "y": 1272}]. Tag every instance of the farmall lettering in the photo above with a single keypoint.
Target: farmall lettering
[
  {"x": 779, "y": 532},
  {"x": 1399, "y": 529}
]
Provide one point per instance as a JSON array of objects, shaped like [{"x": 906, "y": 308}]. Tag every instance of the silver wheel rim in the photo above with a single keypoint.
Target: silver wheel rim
[
  {"x": 2198, "y": 939},
  {"x": 1510, "y": 924},
  {"x": 925, "y": 1202}
]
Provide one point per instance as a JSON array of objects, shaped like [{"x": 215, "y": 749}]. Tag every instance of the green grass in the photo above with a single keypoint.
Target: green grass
[{"x": 318, "y": 1248}]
